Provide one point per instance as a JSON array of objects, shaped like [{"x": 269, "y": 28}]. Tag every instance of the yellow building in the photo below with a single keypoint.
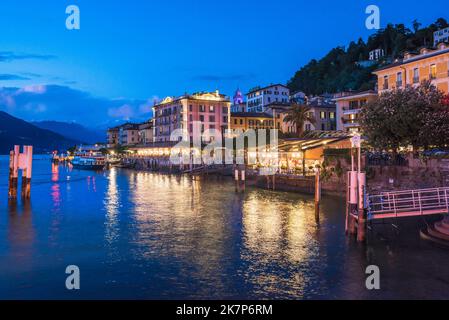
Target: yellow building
[
  {"x": 414, "y": 68},
  {"x": 252, "y": 120}
]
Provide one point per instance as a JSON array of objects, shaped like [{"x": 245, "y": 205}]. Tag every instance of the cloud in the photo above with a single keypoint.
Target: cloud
[
  {"x": 63, "y": 103},
  {"x": 10, "y": 77},
  {"x": 8, "y": 56}
]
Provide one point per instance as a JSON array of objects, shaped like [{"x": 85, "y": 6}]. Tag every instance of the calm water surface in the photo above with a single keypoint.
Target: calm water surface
[{"x": 138, "y": 235}]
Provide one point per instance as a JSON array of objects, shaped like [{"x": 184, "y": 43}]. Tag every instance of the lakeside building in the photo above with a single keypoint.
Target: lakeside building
[
  {"x": 348, "y": 107},
  {"x": 440, "y": 36},
  {"x": 113, "y": 137},
  {"x": 251, "y": 120},
  {"x": 258, "y": 98},
  {"x": 298, "y": 97},
  {"x": 238, "y": 102},
  {"x": 322, "y": 109},
  {"x": 146, "y": 133},
  {"x": 429, "y": 64},
  {"x": 129, "y": 134},
  {"x": 211, "y": 109}
]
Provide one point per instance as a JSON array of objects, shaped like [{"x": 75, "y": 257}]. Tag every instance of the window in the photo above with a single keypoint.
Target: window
[
  {"x": 433, "y": 71},
  {"x": 235, "y": 121},
  {"x": 332, "y": 115},
  {"x": 211, "y": 109},
  {"x": 201, "y": 118},
  {"x": 385, "y": 82},
  {"x": 241, "y": 121},
  {"x": 323, "y": 127},
  {"x": 225, "y": 109},
  {"x": 202, "y": 108},
  {"x": 323, "y": 115},
  {"x": 225, "y": 119},
  {"x": 399, "y": 79},
  {"x": 190, "y": 108},
  {"x": 416, "y": 75},
  {"x": 211, "y": 118}
]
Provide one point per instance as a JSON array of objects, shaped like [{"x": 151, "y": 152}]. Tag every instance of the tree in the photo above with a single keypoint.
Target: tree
[
  {"x": 298, "y": 115},
  {"x": 407, "y": 117},
  {"x": 341, "y": 70},
  {"x": 119, "y": 149}
]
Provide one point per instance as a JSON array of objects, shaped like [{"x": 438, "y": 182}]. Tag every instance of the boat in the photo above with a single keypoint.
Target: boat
[{"x": 89, "y": 162}]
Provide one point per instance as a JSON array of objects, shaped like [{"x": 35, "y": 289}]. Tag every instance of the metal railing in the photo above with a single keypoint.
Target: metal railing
[{"x": 408, "y": 203}]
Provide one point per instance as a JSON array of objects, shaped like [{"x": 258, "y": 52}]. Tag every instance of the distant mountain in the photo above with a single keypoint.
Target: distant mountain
[
  {"x": 14, "y": 131},
  {"x": 73, "y": 131}
]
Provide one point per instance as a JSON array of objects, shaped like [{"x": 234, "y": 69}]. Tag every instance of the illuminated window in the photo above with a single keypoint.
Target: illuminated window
[{"x": 433, "y": 71}]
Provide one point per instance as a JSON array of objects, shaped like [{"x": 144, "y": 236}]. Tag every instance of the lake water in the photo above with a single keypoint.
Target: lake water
[{"x": 137, "y": 235}]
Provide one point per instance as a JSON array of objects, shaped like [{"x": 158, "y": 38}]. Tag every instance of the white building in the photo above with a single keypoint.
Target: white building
[
  {"x": 375, "y": 55},
  {"x": 441, "y": 36},
  {"x": 259, "y": 98}
]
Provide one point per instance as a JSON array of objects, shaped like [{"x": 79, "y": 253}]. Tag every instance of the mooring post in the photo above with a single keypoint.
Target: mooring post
[
  {"x": 243, "y": 180},
  {"x": 361, "y": 229},
  {"x": 348, "y": 182},
  {"x": 24, "y": 161},
  {"x": 352, "y": 202},
  {"x": 29, "y": 165},
  {"x": 11, "y": 176},
  {"x": 236, "y": 175},
  {"x": 317, "y": 195}
]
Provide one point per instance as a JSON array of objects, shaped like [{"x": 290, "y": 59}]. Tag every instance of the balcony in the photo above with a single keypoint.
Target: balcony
[
  {"x": 350, "y": 123},
  {"x": 349, "y": 111},
  {"x": 432, "y": 76},
  {"x": 415, "y": 79},
  {"x": 398, "y": 84}
]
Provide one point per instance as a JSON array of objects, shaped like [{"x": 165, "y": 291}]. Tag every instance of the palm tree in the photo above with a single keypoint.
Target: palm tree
[{"x": 298, "y": 115}]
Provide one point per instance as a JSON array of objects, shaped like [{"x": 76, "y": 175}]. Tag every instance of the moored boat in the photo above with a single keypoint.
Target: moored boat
[{"x": 89, "y": 162}]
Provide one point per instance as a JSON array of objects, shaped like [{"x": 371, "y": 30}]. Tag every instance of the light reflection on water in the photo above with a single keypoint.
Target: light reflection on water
[{"x": 143, "y": 235}]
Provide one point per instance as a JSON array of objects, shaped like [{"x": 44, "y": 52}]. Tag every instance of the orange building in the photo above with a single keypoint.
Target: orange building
[{"x": 414, "y": 68}]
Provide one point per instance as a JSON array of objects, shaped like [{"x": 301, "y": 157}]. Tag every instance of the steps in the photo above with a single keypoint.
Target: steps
[{"x": 438, "y": 233}]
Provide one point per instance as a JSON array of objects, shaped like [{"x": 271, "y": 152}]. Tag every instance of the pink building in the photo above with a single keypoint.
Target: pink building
[{"x": 210, "y": 109}]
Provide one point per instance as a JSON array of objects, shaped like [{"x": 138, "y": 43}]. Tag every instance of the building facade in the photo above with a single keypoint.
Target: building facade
[
  {"x": 210, "y": 109},
  {"x": 238, "y": 102},
  {"x": 146, "y": 133},
  {"x": 429, "y": 64},
  {"x": 252, "y": 120},
  {"x": 113, "y": 137},
  {"x": 258, "y": 98},
  {"x": 440, "y": 36},
  {"x": 348, "y": 107},
  {"x": 129, "y": 134}
]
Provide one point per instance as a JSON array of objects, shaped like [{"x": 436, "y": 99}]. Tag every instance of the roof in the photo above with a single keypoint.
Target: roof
[
  {"x": 432, "y": 54},
  {"x": 312, "y": 140},
  {"x": 262, "y": 88},
  {"x": 357, "y": 95}
]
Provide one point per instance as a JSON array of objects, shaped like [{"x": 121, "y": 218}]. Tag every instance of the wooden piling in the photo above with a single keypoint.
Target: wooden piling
[
  {"x": 236, "y": 175},
  {"x": 362, "y": 218},
  {"x": 11, "y": 193},
  {"x": 317, "y": 195},
  {"x": 243, "y": 180}
]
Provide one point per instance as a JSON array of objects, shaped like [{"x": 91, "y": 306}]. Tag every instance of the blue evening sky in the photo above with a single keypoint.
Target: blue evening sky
[{"x": 133, "y": 51}]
